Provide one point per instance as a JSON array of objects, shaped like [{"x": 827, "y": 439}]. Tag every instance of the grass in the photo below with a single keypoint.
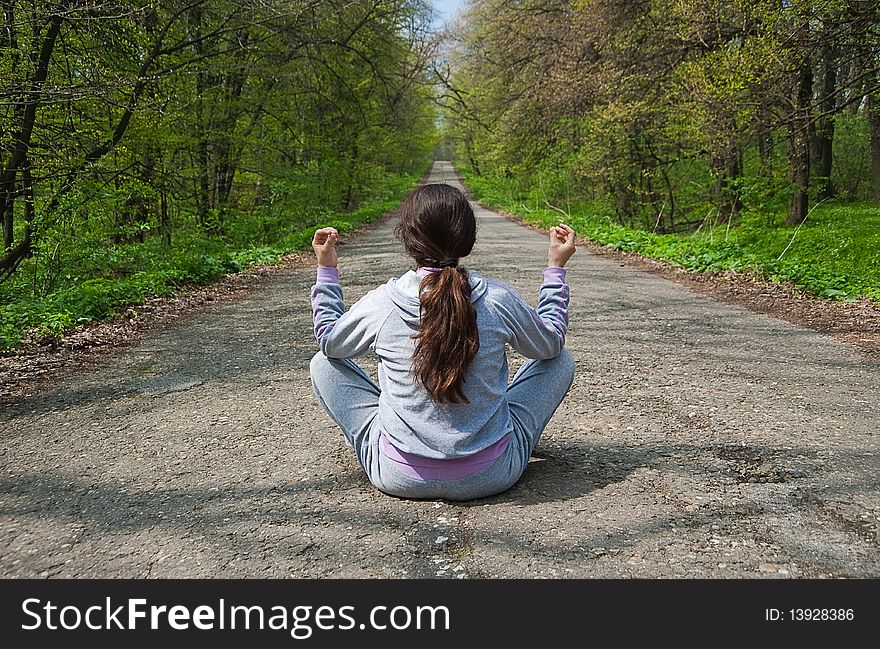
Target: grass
[
  {"x": 110, "y": 278},
  {"x": 834, "y": 254}
]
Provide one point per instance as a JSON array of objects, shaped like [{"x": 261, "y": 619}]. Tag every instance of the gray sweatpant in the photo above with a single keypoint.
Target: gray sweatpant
[{"x": 351, "y": 398}]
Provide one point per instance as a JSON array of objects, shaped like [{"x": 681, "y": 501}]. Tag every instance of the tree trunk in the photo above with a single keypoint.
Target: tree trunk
[
  {"x": 203, "y": 186},
  {"x": 468, "y": 147},
  {"x": 765, "y": 143},
  {"x": 25, "y": 248},
  {"x": 164, "y": 220},
  {"x": 22, "y": 141},
  {"x": 728, "y": 170},
  {"x": 227, "y": 151},
  {"x": 670, "y": 200},
  {"x": 825, "y": 127},
  {"x": 352, "y": 176},
  {"x": 873, "y": 112},
  {"x": 799, "y": 147},
  {"x": 203, "y": 170}
]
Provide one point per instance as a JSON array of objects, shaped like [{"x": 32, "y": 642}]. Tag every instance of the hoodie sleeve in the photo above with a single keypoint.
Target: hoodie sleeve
[
  {"x": 539, "y": 332},
  {"x": 341, "y": 333}
]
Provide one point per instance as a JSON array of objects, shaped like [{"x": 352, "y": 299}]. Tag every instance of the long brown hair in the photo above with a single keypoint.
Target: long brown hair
[{"x": 437, "y": 228}]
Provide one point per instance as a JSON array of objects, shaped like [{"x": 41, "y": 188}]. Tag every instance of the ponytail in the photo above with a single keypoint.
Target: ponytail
[
  {"x": 448, "y": 340},
  {"x": 438, "y": 227}
]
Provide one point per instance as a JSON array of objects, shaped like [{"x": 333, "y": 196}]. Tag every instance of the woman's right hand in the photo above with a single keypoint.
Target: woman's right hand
[
  {"x": 561, "y": 245},
  {"x": 324, "y": 245}
]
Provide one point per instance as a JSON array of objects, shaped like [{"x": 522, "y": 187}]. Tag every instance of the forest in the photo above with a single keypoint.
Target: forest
[
  {"x": 150, "y": 144},
  {"x": 719, "y": 136}
]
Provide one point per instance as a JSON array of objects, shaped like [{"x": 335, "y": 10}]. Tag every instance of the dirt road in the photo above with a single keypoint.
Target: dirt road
[{"x": 699, "y": 440}]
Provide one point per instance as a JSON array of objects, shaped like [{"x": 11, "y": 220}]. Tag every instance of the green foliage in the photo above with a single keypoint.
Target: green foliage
[
  {"x": 170, "y": 145},
  {"x": 851, "y": 173},
  {"x": 673, "y": 113},
  {"x": 835, "y": 254},
  {"x": 686, "y": 131},
  {"x": 201, "y": 262}
]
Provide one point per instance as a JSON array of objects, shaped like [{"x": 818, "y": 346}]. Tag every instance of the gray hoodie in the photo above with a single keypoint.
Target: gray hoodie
[{"x": 384, "y": 321}]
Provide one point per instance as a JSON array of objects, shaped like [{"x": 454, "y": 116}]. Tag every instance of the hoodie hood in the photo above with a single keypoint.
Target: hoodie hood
[{"x": 404, "y": 293}]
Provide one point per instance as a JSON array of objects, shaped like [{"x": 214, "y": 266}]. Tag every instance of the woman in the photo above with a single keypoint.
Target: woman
[{"x": 443, "y": 421}]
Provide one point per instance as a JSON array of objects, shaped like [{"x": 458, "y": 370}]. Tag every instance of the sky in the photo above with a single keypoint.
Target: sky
[{"x": 447, "y": 8}]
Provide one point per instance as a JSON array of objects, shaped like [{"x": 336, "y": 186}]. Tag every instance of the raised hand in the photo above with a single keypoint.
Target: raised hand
[
  {"x": 561, "y": 245},
  {"x": 324, "y": 245}
]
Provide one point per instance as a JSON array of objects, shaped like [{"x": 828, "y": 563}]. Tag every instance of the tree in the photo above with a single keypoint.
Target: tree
[
  {"x": 642, "y": 103},
  {"x": 133, "y": 113}
]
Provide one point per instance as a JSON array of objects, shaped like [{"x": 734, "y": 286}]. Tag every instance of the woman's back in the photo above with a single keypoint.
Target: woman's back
[
  {"x": 443, "y": 422},
  {"x": 385, "y": 321}
]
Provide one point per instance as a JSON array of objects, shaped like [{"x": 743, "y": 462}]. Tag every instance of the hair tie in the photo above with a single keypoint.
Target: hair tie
[{"x": 448, "y": 262}]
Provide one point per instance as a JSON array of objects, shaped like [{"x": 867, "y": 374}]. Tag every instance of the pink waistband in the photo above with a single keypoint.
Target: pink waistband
[{"x": 428, "y": 468}]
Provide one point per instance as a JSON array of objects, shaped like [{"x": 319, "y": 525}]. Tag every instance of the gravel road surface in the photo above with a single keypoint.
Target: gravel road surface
[{"x": 699, "y": 440}]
